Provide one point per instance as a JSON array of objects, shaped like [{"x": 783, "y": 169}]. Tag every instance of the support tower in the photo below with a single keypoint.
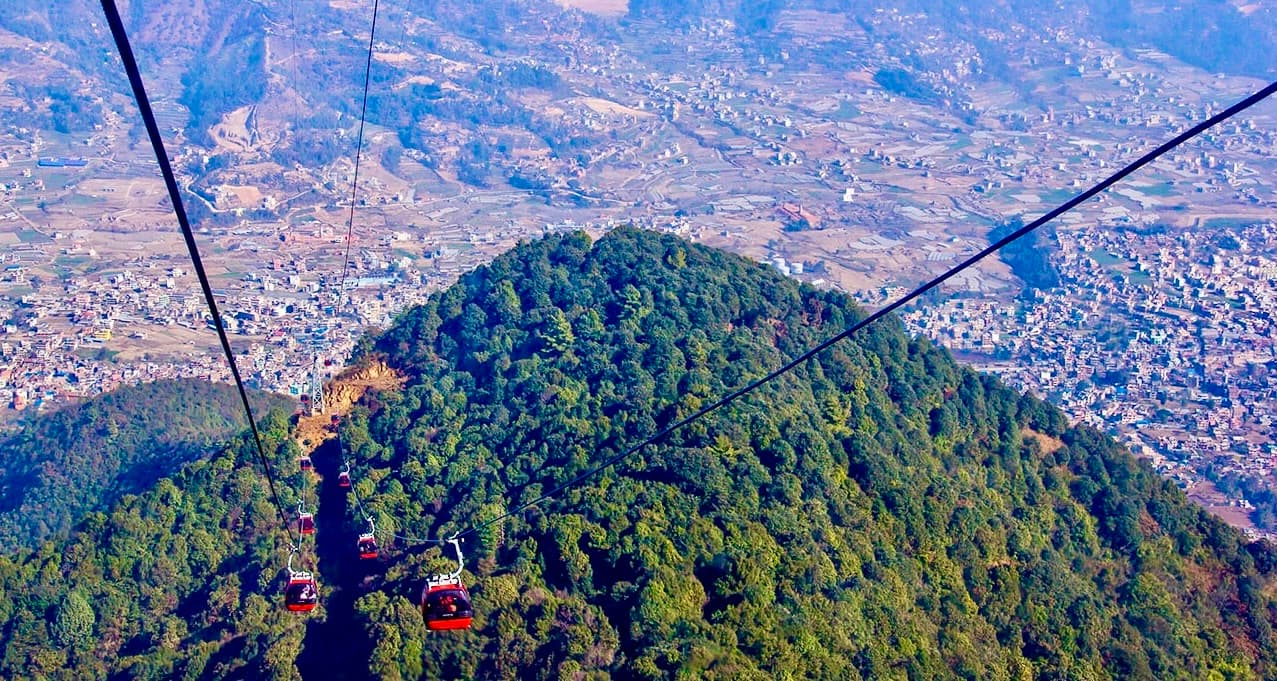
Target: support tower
[{"x": 316, "y": 388}]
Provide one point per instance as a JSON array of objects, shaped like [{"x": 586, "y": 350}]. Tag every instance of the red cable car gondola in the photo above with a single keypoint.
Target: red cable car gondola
[
  {"x": 446, "y": 606},
  {"x": 343, "y": 479},
  {"x": 367, "y": 546},
  {"x": 445, "y": 603},
  {"x": 302, "y": 593},
  {"x": 305, "y": 464},
  {"x": 306, "y": 523}
]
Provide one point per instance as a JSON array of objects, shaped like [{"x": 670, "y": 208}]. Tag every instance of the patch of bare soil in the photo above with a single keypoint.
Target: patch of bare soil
[
  {"x": 340, "y": 395},
  {"x": 1048, "y": 444}
]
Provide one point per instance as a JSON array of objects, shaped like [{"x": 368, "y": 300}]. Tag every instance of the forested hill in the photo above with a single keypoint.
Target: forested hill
[
  {"x": 60, "y": 466},
  {"x": 878, "y": 513}
]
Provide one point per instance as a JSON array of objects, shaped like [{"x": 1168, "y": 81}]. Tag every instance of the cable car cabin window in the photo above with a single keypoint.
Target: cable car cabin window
[
  {"x": 301, "y": 594},
  {"x": 447, "y": 607}
]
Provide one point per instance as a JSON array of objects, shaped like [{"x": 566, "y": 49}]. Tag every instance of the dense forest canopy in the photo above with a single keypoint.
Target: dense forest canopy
[
  {"x": 58, "y": 467},
  {"x": 1027, "y": 257},
  {"x": 180, "y": 581},
  {"x": 881, "y": 512}
]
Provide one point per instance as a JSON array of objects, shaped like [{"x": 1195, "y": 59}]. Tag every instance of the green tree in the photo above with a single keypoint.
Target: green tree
[{"x": 73, "y": 621}]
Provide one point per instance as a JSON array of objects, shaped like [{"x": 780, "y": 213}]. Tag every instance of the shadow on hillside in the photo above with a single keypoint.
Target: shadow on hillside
[{"x": 335, "y": 647}]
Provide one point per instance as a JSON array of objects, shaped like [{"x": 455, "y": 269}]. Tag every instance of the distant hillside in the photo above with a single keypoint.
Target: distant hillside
[
  {"x": 61, "y": 466},
  {"x": 879, "y": 513},
  {"x": 302, "y": 65},
  {"x": 1216, "y": 36}
]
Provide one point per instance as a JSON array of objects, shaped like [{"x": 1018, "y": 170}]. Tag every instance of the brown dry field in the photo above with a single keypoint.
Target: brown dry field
[
  {"x": 819, "y": 24},
  {"x": 1205, "y": 493},
  {"x": 603, "y": 7},
  {"x": 115, "y": 249},
  {"x": 398, "y": 58},
  {"x": 162, "y": 341},
  {"x": 245, "y": 196},
  {"x": 606, "y": 106}
]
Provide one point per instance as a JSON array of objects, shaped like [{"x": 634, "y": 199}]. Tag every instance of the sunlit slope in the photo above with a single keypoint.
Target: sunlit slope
[{"x": 878, "y": 513}]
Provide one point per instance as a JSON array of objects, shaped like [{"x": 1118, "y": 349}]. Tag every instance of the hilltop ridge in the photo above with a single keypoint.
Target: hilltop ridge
[{"x": 878, "y": 512}]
